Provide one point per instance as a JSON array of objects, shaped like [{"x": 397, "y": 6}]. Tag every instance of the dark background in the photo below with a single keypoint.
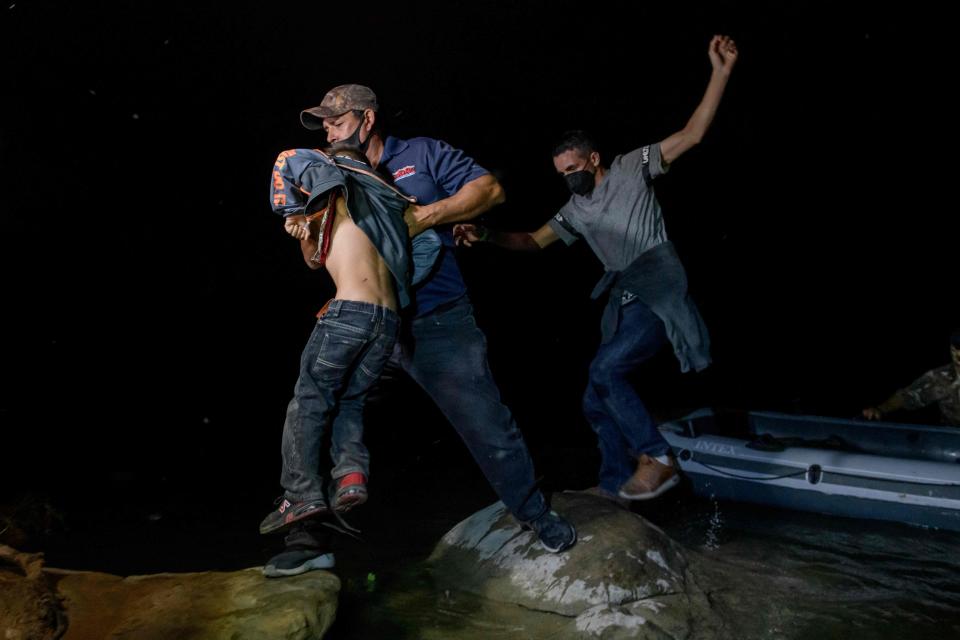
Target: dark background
[{"x": 154, "y": 311}]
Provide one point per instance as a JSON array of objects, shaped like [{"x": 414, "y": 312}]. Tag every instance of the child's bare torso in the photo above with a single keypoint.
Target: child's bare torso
[{"x": 358, "y": 271}]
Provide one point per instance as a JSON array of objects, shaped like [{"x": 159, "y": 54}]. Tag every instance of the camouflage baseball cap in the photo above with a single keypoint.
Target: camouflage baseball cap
[{"x": 346, "y": 97}]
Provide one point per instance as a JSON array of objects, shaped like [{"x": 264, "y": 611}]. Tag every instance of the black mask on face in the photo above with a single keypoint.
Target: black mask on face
[
  {"x": 353, "y": 142},
  {"x": 580, "y": 182}
]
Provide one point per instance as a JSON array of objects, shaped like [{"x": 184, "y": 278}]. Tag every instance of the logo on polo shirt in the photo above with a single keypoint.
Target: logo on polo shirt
[{"x": 403, "y": 172}]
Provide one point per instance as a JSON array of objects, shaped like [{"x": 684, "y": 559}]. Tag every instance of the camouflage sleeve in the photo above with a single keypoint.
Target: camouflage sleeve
[{"x": 924, "y": 391}]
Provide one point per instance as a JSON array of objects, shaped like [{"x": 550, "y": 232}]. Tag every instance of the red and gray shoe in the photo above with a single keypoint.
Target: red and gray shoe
[
  {"x": 351, "y": 492},
  {"x": 289, "y": 512}
]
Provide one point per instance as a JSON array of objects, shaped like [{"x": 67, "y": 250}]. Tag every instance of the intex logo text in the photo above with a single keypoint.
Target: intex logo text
[{"x": 716, "y": 447}]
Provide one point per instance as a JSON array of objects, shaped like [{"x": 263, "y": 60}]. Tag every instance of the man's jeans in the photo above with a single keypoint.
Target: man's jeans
[
  {"x": 342, "y": 360},
  {"x": 623, "y": 425},
  {"x": 446, "y": 354}
]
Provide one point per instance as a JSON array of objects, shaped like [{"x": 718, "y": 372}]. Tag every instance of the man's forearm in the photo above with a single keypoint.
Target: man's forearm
[
  {"x": 691, "y": 134},
  {"x": 893, "y": 403},
  {"x": 474, "y": 198},
  {"x": 702, "y": 117},
  {"x": 513, "y": 240}
]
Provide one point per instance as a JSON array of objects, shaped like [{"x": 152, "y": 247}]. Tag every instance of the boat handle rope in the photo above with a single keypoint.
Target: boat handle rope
[
  {"x": 735, "y": 475},
  {"x": 807, "y": 471}
]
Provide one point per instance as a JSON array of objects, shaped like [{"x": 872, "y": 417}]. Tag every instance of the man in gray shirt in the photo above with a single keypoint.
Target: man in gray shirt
[{"x": 616, "y": 211}]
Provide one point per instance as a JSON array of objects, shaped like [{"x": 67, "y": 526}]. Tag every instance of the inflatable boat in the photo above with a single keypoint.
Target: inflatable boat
[{"x": 874, "y": 470}]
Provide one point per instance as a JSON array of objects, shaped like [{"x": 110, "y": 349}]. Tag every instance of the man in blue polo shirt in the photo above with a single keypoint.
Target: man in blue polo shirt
[{"x": 444, "y": 351}]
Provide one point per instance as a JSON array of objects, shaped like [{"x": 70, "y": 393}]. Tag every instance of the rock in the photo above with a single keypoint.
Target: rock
[
  {"x": 238, "y": 605},
  {"x": 624, "y": 578},
  {"x": 30, "y": 608}
]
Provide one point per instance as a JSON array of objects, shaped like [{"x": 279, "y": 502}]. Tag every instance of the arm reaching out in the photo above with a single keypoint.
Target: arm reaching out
[
  {"x": 723, "y": 56},
  {"x": 468, "y": 234},
  {"x": 471, "y": 200},
  {"x": 893, "y": 403}
]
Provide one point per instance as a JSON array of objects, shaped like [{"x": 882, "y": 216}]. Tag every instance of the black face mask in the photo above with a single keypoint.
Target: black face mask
[
  {"x": 580, "y": 182},
  {"x": 353, "y": 142}
]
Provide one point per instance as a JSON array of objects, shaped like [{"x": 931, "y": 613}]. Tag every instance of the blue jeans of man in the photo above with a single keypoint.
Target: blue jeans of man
[
  {"x": 344, "y": 357},
  {"x": 623, "y": 425},
  {"x": 446, "y": 354}
]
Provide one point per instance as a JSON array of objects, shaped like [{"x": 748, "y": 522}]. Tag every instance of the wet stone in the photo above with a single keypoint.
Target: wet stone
[{"x": 625, "y": 578}]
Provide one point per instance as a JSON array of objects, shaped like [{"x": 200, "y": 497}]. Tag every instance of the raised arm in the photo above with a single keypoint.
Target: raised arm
[
  {"x": 468, "y": 234},
  {"x": 475, "y": 197},
  {"x": 723, "y": 55}
]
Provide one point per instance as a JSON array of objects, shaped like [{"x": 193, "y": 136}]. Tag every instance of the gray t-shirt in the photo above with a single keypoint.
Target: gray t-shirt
[{"x": 621, "y": 218}]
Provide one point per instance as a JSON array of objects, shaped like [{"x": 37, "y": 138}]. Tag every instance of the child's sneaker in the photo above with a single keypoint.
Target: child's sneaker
[
  {"x": 289, "y": 512},
  {"x": 351, "y": 491}
]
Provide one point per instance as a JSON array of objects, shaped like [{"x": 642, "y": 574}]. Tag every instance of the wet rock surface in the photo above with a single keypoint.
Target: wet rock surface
[
  {"x": 30, "y": 608},
  {"x": 41, "y": 603},
  {"x": 624, "y": 578}
]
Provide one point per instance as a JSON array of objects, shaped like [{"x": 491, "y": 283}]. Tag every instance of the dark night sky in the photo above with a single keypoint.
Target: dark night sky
[{"x": 154, "y": 310}]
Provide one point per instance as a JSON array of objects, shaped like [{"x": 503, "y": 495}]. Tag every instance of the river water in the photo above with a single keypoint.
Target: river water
[{"x": 772, "y": 573}]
